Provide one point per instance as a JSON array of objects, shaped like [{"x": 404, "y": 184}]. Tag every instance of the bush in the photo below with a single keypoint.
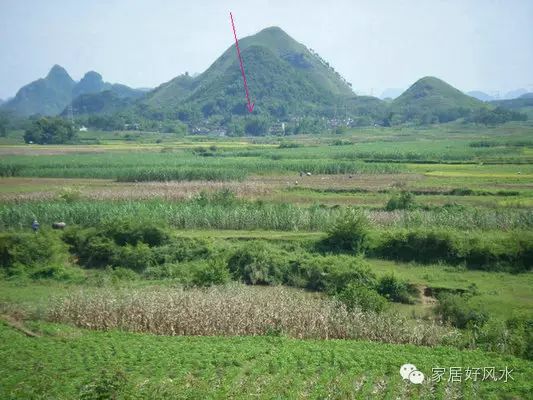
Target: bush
[
  {"x": 123, "y": 274},
  {"x": 49, "y": 130},
  {"x": 362, "y": 297},
  {"x": 329, "y": 274},
  {"x": 257, "y": 263},
  {"x": 136, "y": 258},
  {"x": 24, "y": 250},
  {"x": 404, "y": 201},
  {"x": 57, "y": 272},
  {"x": 395, "y": 290},
  {"x": 419, "y": 246},
  {"x": 456, "y": 309},
  {"x": 128, "y": 231},
  {"x": 184, "y": 249},
  {"x": 181, "y": 273},
  {"x": 208, "y": 273},
  {"x": 513, "y": 336},
  {"x": 349, "y": 234},
  {"x": 92, "y": 249}
]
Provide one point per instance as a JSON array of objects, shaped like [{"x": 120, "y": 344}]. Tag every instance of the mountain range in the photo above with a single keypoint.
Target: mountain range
[
  {"x": 286, "y": 80},
  {"x": 51, "y": 94}
]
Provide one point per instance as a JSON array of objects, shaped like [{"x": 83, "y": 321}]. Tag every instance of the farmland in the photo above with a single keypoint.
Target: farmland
[{"x": 308, "y": 266}]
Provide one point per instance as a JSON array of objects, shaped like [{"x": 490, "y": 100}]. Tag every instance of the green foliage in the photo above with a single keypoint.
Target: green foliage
[
  {"x": 4, "y": 123},
  {"x": 404, "y": 201},
  {"x": 50, "y": 131},
  {"x": 211, "y": 272},
  {"x": 136, "y": 257},
  {"x": 152, "y": 372},
  {"x": 357, "y": 296},
  {"x": 110, "y": 384},
  {"x": 417, "y": 245},
  {"x": 184, "y": 249},
  {"x": 129, "y": 231},
  {"x": 257, "y": 263},
  {"x": 393, "y": 289},
  {"x": 511, "y": 336},
  {"x": 431, "y": 100},
  {"x": 256, "y": 127},
  {"x": 499, "y": 115},
  {"x": 457, "y": 310},
  {"x": 349, "y": 233},
  {"x": 25, "y": 252},
  {"x": 70, "y": 195},
  {"x": 120, "y": 243},
  {"x": 475, "y": 250},
  {"x": 329, "y": 274}
]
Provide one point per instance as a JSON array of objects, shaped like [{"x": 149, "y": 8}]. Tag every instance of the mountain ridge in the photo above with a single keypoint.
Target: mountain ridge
[{"x": 51, "y": 94}]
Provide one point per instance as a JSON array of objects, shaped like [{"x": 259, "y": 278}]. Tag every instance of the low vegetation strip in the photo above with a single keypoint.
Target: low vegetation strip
[
  {"x": 185, "y": 165},
  {"x": 85, "y": 364},
  {"x": 238, "y": 310},
  {"x": 226, "y": 213}
]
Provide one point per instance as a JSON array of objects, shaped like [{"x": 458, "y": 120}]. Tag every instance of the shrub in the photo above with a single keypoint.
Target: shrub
[
  {"x": 348, "y": 234},
  {"x": 512, "y": 336},
  {"x": 30, "y": 250},
  {"x": 328, "y": 273},
  {"x": 420, "y": 246},
  {"x": 184, "y": 249},
  {"x": 456, "y": 309},
  {"x": 123, "y": 274},
  {"x": 70, "y": 195},
  {"x": 362, "y": 297},
  {"x": 394, "y": 290},
  {"x": 136, "y": 258},
  {"x": 258, "y": 263},
  {"x": 181, "y": 273},
  {"x": 129, "y": 231},
  {"x": 111, "y": 384},
  {"x": 404, "y": 201},
  {"x": 213, "y": 272},
  {"x": 92, "y": 249}
]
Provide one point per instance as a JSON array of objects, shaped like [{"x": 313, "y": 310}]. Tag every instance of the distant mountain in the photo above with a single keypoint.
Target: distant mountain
[
  {"x": 480, "y": 95},
  {"x": 91, "y": 82},
  {"x": 114, "y": 99},
  {"x": 2, "y": 101},
  {"x": 520, "y": 103},
  {"x": 431, "y": 100},
  {"x": 46, "y": 96},
  {"x": 50, "y": 95},
  {"x": 283, "y": 76},
  {"x": 391, "y": 93},
  {"x": 514, "y": 94}
]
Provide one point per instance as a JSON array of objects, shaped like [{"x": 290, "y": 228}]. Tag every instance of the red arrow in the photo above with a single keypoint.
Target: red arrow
[{"x": 250, "y": 106}]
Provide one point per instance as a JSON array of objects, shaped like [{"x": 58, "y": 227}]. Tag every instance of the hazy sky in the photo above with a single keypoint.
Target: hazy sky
[{"x": 375, "y": 44}]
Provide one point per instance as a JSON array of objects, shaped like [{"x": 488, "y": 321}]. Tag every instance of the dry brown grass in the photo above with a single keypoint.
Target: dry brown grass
[
  {"x": 257, "y": 187},
  {"x": 236, "y": 310}
]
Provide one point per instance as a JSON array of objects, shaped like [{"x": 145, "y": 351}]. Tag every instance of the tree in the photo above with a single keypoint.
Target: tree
[
  {"x": 3, "y": 125},
  {"x": 49, "y": 131},
  {"x": 256, "y": 127},
  {"x": 349, "y": 233}
]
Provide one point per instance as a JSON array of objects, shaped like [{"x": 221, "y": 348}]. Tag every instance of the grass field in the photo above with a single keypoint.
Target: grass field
[
  {"x": 258, "y": 210},
  {"x": 65, "y": 361}
]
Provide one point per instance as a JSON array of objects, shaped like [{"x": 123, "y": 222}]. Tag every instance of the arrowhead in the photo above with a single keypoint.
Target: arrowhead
[{"x": 251, "y": 107}]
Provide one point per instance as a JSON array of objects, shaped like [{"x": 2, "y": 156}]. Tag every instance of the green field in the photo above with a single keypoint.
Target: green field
[
  {"x": 426, "y": 229},
  {"x": 65, "y": 360}
]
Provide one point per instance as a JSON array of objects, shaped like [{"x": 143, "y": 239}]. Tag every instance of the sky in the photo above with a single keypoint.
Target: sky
[{"x": 375, "y": 44}]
